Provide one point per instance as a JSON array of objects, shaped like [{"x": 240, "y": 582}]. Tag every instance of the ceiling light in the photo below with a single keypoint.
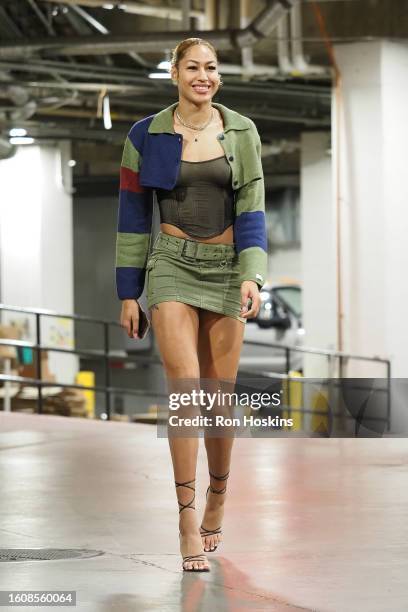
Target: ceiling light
[
  {"x": 108, "y": 6},
  {"x": 159, "y": 75},
  {"x": 17, "y": 132},
  {"x": 107, "y": 121},
  {"x": 20, "y": 140},
  {"x": 164, "y": 65}
]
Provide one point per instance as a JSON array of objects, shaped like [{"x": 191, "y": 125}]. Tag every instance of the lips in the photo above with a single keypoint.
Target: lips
[{"x": 201, "y": 88}]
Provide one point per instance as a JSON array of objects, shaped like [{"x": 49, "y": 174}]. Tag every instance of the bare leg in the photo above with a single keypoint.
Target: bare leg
[
  {"x": 176, "y": 329},
  {"x": 219, "y": 347}
]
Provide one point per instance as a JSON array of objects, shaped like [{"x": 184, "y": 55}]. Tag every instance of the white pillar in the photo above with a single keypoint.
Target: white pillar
[
  {"x": 374, "y": 196},
  {"x": 318, "y": 250},
  {"x": 36, "y": 260}
]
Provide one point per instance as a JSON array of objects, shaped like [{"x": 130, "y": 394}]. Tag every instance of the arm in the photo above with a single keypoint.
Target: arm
[
  {"x": 250, "y": 233},
  {"x": 134, "y": 225}
]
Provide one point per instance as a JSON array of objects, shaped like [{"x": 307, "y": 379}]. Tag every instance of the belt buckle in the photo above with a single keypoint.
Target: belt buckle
[{"x": 189, "y": 244}]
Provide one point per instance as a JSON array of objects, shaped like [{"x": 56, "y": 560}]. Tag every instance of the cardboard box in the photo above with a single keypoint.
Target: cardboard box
[
  {"x": 30, "y": 370},
  {"x": 8, "y": 332}
]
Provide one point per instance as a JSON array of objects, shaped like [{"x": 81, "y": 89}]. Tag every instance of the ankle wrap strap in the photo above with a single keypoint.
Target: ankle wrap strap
[
  {"x": 187, "y": 485},
  {"x": 219, "y": 491}
]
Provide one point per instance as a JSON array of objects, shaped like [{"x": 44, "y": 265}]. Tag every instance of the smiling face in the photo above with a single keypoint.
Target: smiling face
[{"x": 197, "y": 74}]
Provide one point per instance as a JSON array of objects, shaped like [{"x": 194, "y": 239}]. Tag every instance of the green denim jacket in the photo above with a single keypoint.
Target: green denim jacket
[{"x": 151, "y": 160}]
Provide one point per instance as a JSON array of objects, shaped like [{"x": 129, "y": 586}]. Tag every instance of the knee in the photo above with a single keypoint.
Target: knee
[{"x": 181, "y": 371}]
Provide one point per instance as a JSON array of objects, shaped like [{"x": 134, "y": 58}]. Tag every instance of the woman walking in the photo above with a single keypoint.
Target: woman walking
[{"x": 208, "y": 261}]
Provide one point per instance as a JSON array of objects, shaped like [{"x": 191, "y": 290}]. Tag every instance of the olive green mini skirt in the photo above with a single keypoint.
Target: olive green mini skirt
[{"x": 196, "y": 273}]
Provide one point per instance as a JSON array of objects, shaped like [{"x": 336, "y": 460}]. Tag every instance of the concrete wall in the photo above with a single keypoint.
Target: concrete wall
[
  {"x": 36, "y": 246},
  {"x": 374, "y": 192}
]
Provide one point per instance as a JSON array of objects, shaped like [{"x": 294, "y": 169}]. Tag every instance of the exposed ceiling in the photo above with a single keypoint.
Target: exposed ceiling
[{"x": 58, "y": 59}]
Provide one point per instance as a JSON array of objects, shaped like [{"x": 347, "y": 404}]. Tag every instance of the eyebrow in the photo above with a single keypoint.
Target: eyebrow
[{"x": 196, "y": 62}]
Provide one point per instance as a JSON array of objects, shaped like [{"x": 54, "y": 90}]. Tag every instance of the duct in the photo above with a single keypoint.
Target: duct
[
  {"x": 7, "y": 150},
  {"x": 18, "y": 95},
  {"x": 24, "y": 112},
  {"x": 247, "y": 57},
  {"x": 261, "y": 27},
  {"x": 264, "y": 23},
  {"x": 284, "y": 62},
  {"x": 253, "y": 70},
  {"x": 299, "y": 62},
  {"x": 185, "y": 14},
  {"x": 210, "y": 19}
]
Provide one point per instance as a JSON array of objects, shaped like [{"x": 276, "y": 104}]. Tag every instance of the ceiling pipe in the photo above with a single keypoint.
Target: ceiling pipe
[
  {"x": 278, "y": 147},
  {"x": 185, "y": 14},
  {"x": 284, "y": 61},
  {"x": 247, "y": 56},
  {"x": 257, "y": 30},
  {"x": 210, "y": 17},
  {"x": 136, "y": 8},
  {"x": 99, "y": 27},
  {"x": 301, "y": 66}
]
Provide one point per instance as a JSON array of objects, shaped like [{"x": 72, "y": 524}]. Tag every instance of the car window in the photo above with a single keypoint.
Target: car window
[{"x": 291, "y": 297}]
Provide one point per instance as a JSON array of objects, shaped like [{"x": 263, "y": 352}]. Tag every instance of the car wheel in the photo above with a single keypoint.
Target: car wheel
[{"x": 264, "y": 324}]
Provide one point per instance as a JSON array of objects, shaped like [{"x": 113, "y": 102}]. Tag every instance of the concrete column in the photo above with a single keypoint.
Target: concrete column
[
  {"x": 36, "y": 261},
  {"x": 318, "y": 250},
  {"x": 374, "y": 195}
]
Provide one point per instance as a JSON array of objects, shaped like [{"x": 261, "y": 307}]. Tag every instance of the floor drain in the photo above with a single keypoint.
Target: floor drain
[{"x": 46, "y": 554}]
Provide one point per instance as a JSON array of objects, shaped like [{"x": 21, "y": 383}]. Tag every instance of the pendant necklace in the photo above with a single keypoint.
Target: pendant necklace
[{"x": 198, "y": 128}]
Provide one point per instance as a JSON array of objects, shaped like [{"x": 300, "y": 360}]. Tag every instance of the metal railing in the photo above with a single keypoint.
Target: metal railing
[{"x": 107, "y": 356}]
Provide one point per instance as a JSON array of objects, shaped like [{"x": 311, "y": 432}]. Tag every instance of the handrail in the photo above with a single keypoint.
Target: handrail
[{"x": 108, "y": 356}]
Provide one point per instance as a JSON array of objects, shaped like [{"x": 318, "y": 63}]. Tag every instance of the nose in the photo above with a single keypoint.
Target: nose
[{"x": 203, "y": 74}]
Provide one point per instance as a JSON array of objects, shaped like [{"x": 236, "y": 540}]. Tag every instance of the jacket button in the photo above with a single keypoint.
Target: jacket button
[
  {"x": 235, "y": 182},
  {"x": 231, "y": 158},
  {"x": 220, "y": 136}
]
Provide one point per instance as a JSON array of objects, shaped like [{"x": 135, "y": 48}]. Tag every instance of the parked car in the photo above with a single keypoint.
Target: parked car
[
  {"x": 280, "y": 306},
  {"x": 279, "y": 321}
]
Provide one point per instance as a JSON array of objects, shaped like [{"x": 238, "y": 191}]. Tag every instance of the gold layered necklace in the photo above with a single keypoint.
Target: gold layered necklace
[{"x": 196, "y": 128}]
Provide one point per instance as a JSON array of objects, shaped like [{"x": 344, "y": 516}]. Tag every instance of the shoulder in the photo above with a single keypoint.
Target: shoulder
[
  {"x": 138, "y": 131},
  {"x": 236, "y": 120}
]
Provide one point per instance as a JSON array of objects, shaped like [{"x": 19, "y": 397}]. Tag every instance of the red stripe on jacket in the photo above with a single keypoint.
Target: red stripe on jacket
[{"x": 129, "y": 180}]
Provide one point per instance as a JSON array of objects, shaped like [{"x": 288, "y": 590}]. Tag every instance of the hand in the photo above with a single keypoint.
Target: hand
[
  {"x": 129, "y": 317},
  {"x": 250, "y": 290}
]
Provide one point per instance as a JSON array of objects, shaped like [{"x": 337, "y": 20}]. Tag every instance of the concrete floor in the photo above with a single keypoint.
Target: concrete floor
[{"x": 311, "y": 524}]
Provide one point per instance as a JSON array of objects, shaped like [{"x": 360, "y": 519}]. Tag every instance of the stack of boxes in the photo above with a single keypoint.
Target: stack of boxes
[{"x": 23, "y": 396}]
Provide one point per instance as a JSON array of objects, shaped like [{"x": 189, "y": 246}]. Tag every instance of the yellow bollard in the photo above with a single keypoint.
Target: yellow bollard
[
  {"x": 292, "y": 396},
  {"x": 87, "y": 379},
  {"x": 320, "y": 422}
]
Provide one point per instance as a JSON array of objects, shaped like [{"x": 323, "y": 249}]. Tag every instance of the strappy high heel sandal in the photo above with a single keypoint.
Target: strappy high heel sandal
[
  {"x": 209, "y": 532},
  {"x": 190, "y": 558}
]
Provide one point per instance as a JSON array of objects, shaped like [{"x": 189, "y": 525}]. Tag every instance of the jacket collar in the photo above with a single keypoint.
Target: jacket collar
[{"x": 163, "y": 120}]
